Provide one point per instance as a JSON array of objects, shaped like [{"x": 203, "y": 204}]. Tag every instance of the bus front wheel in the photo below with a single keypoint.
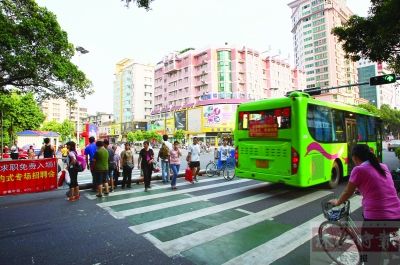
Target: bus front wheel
[{"x": 335, "y": 176}]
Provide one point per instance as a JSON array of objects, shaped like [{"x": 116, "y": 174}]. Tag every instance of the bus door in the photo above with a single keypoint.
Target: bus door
[{"x": 351, "y": 138}]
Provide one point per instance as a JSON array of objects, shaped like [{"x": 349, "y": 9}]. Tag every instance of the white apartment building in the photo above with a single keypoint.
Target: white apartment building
[
  {"x": 133, "y": 97},
  {"x": 59, "y": 110},
  {"x": 318, "y": 52}
]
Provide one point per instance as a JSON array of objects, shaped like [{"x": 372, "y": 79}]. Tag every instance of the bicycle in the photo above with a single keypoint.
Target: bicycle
[
  {"x": 228, "y": 171},
  {"x": 341, "y": 239}
]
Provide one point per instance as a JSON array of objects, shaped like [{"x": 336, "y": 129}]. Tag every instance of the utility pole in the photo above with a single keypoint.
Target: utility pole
[{"x": 80, "y": 51}]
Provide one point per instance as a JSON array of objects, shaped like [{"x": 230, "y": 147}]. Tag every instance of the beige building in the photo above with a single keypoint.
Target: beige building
[
  {"x": 318, "y": 52},
  {"x": 133, "y": 97},
  {"x": 59, "y": 110}
]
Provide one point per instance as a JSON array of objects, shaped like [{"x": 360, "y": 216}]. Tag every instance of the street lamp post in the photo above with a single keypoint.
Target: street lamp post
[{"x": 80, "y": 51}]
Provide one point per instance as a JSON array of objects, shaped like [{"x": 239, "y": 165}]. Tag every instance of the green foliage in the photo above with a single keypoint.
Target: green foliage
[
  {"x": 185, "y": 50},
  {"x": 179, "y": 135},
  {"x": 397, "y": 152},
  {"x": 130, "y": 137},
  {"x": 140, "y": 3},
  {"x": 136, "y": 136},
  {"x": 152, "y": 135},
  {"x": 66, "y": 129},
  {"x": 35, "y": 53},
  {"x": 370, "y": 107},
  {"x": 376, "y": 37},
  {"x": 20, "y": 112}
]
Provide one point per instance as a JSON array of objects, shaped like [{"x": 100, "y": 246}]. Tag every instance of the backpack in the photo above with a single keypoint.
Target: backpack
[
  {"x": 164, "y": 151},
  {"x": 80, "y": 162}
]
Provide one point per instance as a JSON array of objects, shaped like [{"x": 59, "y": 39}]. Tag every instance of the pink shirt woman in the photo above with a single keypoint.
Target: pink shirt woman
[
  {"x": 174, "y": 158},
  {"x": 380, "y": 201}
]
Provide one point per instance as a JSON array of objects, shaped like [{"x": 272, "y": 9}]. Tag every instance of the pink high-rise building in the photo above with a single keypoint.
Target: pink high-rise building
[
  {"x": 224, "y": 74},
  {"x": 198, "y": 90}
]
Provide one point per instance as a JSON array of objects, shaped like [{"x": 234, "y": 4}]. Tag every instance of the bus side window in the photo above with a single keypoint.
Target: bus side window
[
  {"x": 362, "y": 128},
  {"x": 372, "y": 135},
  {"x": 338, "y": 126}
]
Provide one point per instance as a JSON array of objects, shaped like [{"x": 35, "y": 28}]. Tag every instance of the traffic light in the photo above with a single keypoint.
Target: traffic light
[{"x": 382, "y": 79}]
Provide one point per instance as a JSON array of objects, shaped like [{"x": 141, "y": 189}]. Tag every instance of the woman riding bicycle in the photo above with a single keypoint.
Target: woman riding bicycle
[{"x": 380, "y": 201}]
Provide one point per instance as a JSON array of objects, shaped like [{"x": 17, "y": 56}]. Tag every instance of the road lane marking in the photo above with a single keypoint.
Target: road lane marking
[
  {"x": 176, "y": 246},
  {"x": 154, "y": 187},
  {"x": 285, "y": 243},
  {"x": 157, "y": 224},
  {"x": 166, "y": 194},
  {"x": 165, "y": 205}
]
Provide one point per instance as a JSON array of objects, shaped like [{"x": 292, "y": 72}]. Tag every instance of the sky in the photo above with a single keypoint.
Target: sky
[{"x": 112, "y": 32}]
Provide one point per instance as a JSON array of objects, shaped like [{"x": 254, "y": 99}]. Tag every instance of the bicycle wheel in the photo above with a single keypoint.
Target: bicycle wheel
[
  {"x": 340, "y": 244},
  {"x": 211, "y": 168}
]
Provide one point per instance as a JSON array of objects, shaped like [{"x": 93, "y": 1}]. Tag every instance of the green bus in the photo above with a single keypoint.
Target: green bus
[{"x": 301, "y": 141}]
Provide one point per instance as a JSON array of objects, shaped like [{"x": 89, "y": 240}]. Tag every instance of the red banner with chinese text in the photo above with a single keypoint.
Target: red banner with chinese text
[{"x": 25, "y": 176}]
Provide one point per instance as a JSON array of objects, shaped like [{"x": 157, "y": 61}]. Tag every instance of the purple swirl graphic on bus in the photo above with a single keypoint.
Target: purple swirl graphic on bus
[{"x": 314, "y": 146}]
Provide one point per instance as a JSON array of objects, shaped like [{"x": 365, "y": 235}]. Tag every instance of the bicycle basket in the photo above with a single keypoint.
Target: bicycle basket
[{"x": 335, "y": 213}]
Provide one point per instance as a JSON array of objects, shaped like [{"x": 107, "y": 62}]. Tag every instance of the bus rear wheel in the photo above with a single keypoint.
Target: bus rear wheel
[{"x": 335, "y": 176}]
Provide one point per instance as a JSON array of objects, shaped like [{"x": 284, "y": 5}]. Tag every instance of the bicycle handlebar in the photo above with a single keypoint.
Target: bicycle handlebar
[{"x": 335, "y": 213}]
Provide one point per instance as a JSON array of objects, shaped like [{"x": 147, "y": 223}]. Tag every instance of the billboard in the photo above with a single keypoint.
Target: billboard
[
  {"x": 219, "y": 118},
  {"x": 170, "y": 124},
  {"x": 157, "y": 125},
  {"x": 194, "y": 119},
  {"x": 93, "y": 130},
  {"x": 180, "y": 120}
]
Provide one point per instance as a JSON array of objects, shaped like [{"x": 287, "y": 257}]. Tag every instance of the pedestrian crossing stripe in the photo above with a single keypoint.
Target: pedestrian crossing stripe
[
  {"x": 206, "y": 243},
  {"x": 286, "y": 242},
  {"x": 155, "y": 186},
  {"x": 168, "y": 204},
  {"x": 149, "y": 226},
  {"x": 176, "y": 246},
  {"x": 166, "y": 194}
]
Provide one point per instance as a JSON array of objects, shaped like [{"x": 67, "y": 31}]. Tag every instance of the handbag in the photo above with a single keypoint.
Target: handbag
[
  {"x": 188, "y": 174},
  {"x": 156, "y": 167},
  {"x": 67, "y": 177},
  {"x": 61, "y": 178}
]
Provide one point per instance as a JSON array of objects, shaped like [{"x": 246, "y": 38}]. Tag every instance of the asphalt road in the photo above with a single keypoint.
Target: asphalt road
[{"x": 213, "y": 221}]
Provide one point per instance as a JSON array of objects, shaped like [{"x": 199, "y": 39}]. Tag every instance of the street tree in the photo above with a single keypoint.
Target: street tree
[
  {"x": 376, "y": 36},
  {"x": 179, "y": 135},
  {"x": 19, "y": 113},
  {"x": 390, "y": 117},
  {"x": 66, "y": 129},
  {"x": 130, "y": 136},
  {"x": 35, "y": 55},
  {"x": 139, "y": 135}
]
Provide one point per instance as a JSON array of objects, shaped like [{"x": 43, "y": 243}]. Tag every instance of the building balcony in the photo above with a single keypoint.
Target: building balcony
[
  {"x": 201, "y": 62},
  {"x": 171, "y": 67}
]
